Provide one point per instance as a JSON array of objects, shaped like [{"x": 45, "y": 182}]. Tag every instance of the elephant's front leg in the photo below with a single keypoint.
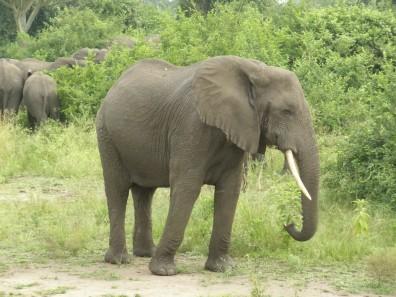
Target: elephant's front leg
[
  {"x": 226, "y": 198},
  {"x": 184, "y": 192}
]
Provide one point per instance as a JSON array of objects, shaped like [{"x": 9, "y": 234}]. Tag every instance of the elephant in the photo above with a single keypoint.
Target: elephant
[
  {"x": 41, "y": 99},
  {"x": 30, "y": 65},
  {"x": 162, "y": 125},
  {"x": 66, "y": 62},
  {"x": 11, "y": 86},
  {"x": 99, "y": 54}
]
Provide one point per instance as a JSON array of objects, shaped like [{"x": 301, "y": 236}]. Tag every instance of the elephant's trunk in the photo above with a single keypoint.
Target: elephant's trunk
[{"x": 308, "y": 163}]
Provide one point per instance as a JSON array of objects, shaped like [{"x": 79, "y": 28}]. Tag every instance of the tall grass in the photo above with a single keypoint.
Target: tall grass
[{"x": 55, "y": 150}]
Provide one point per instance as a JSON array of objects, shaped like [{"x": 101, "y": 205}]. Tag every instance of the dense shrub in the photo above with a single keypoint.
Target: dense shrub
[
  {"x": 82, "y": 89},
  {"x": 7, "y": 27},
  {"x": 70, "y": 30},
  {"x": 366, "y": 166},
  {"x": 136, "y": 14},
  {"x": 227, "y": 30}
]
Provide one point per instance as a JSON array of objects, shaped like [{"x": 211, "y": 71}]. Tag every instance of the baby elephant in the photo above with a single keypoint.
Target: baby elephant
[{"x": 40, "y": 98}]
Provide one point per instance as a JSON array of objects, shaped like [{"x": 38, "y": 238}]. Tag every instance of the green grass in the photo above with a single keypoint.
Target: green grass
[
  {"x": 64, "y": 216},
  {"x": 54, "y": 291}
]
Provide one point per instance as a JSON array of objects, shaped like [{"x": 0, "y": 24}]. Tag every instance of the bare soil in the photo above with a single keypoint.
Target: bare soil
[{"x": 135, "y": 280}]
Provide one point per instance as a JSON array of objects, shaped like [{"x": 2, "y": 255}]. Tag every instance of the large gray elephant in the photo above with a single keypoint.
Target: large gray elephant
[
  {"x": 181, "y": 127},
  {"x": 40, "y": 98},
  {"x": 11, "y": 86}
]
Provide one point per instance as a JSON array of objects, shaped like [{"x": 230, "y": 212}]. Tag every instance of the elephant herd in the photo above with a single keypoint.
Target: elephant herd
[
  {"x": 162, "y": 125},
  {"x": 23, "y": 82}
]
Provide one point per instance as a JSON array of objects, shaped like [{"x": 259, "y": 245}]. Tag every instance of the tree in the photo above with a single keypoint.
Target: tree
[
  {"x": 202, "y": 5},
  {"x": 24, "y": 12}
]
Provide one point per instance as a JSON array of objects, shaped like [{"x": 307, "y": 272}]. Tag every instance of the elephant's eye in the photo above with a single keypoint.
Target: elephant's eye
[{"x": 287, "y": 112}]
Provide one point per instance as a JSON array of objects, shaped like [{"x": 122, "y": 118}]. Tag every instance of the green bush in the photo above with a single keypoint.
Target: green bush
[
  {"x": 366, "y": 166},
  {"x": 227, "y": 30},
  {"x": 68, "y": 31},
  {"x": 82, "y": 89},
  {"x": 136, "y": 14}
]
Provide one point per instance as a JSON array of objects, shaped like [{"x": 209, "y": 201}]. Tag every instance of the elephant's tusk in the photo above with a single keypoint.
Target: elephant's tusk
[{"x": 296, "y": 175}]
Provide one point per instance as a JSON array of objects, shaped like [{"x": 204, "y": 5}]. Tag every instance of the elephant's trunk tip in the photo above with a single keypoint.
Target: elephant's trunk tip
[{"x": 302, "y": 235}]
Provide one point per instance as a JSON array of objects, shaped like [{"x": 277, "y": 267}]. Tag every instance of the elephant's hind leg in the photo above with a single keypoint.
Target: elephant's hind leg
[
  {"x": 143, "y": 245},
  {"x": 117, "y": 187}
]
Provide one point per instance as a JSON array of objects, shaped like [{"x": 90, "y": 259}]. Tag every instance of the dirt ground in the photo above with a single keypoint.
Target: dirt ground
[{"x": 136, "y": 281}]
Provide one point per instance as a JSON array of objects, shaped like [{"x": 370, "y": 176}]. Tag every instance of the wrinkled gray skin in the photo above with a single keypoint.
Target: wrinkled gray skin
[
  {"x": 40, "y": 98},
  {"x": 182, "y": 127},
  {"x": 99, "y": 54},
  {"x": 66, "y": 62},
  {"x": 11, "y": 85},
  {"x": 33, "y": 65}
]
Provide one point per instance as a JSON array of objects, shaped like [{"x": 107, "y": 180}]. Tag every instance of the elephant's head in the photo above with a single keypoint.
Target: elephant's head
[{"x": 257, "y": 105}]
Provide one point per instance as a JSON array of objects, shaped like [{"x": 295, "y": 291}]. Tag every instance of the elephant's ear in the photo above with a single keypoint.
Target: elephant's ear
[{"x": 225, "y": 98}]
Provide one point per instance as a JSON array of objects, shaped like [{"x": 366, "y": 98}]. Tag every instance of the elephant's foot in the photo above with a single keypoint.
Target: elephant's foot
[
  {"x": 162, "y": 266},
  {"x": 140, "y": 251},
  {"x": 117, "y": 258},
  {"x": 219, "y": 264}
]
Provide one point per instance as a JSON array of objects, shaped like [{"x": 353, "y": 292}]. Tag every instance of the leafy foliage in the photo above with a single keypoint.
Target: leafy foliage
[
  {"x": 82, "y": 89},
  {"x": 70, "y": 30},
  {"x": 366, "y": 166}
]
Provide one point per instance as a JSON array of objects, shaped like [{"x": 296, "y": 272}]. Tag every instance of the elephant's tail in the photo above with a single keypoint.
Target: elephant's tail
[
  {"x": 5, "y": 96},
  {"x": 44, "y": 115}
]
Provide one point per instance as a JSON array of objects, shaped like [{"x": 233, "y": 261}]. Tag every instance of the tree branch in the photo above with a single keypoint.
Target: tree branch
[
  {"x": 27, "y": 5},
  {"x": 32, "y": 16}
]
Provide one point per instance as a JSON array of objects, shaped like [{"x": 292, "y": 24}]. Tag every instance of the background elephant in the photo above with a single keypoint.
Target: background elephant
[
  {"x": 101, "y": 55},
  {"x": 40, "y": 98},
  {"x": 122, "y": 41},
  {"x": 30, "y": 65},
  {"x": 82, "y": 54},
  {"x": 66, "y": 62},
  {"x": 162, "y": 125},
  {"x": 11, "y": 86}
]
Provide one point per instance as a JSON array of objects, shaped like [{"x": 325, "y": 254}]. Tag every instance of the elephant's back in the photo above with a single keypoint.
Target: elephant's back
[
  {"x": 39, "y": 85},
  {"x": 145, "y": 86},
  {"x": 151, "y": 76}
]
